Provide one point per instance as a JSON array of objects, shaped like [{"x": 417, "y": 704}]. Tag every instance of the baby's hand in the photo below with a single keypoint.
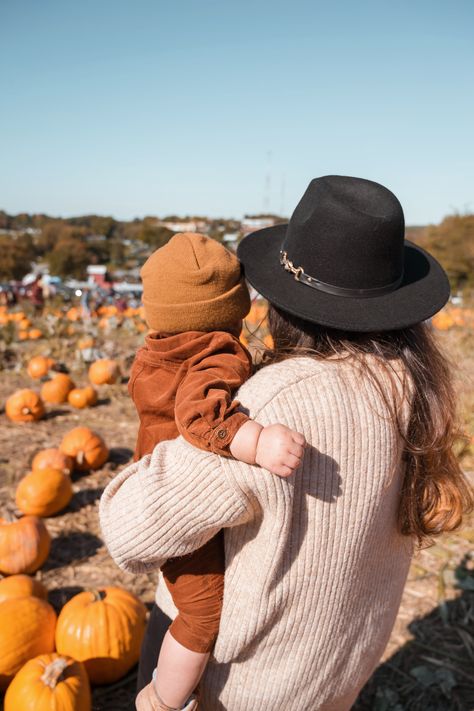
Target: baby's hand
[{"x": 279, "y": 449}]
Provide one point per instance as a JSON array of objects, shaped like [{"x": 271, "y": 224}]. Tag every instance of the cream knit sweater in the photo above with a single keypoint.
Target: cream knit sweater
[{"x": 315, "y": 567}]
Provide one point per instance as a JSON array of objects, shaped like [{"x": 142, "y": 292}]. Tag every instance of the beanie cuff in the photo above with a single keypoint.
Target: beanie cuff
[{"x": 218, "y": 314}]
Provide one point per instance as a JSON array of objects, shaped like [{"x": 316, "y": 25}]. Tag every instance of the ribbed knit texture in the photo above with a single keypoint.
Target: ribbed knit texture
[{"x": 315, "y": 567}]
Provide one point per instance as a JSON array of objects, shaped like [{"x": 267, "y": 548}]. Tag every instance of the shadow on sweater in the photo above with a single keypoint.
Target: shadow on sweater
[
  {"x": 321, "y": 481},
  {"x": 433, "y": 671}
]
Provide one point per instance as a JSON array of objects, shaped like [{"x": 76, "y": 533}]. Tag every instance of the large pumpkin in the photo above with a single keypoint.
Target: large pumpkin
[
  {"x": 21, "y": 586},
  {"x": 24, "y": 545},
  {"x": 55, "y": 391},
  {"x": 39, "y": 366},
  {"x": 86, "y": 447},
  {"x": 24, "y": 406},
  {"x": 104, "y": 629},
  {"x": 104, "y": 372},
  {"x": 49, "y": 682},
  {"x": 43, "y": 492},
  {"x": 52, "y": 458},
  {"x": 27, "y": 627}
]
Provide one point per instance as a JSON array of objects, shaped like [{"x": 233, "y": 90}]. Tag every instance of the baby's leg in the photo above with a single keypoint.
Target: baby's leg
[{"x": 196, "y": 583}]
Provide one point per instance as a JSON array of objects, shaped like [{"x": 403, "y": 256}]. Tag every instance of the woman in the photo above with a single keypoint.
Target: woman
[{"x": 315, "y": 564}]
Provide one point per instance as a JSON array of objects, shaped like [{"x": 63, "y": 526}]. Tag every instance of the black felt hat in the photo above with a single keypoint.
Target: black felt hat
[{"x": 342, "y": 260}]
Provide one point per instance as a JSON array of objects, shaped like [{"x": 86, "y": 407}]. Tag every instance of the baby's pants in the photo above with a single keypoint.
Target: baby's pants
[{"x": 196, "y": 584}]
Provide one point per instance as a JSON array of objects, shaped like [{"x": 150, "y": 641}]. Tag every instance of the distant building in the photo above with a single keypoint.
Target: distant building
[
  {"x": 97, "y": 275},
  {"x": 252, "y": 224},
  {"x": 230, "y": 239},
  {"x": 184, "y": 225}
]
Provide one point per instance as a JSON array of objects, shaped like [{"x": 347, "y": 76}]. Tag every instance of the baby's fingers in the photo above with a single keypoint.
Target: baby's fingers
[
  {"x": 298, "y": 438},
  {"x": 282, "y": 470},
  {"x": 290, "y": 460},
  {"x": 297, "y": 450}
]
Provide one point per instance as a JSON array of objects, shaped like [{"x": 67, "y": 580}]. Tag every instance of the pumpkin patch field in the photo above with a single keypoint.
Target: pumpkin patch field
[{"x": 71, "y": 622}]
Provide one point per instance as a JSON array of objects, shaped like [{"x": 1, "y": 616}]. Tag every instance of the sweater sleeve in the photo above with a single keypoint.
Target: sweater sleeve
[
  {"x": 167, "y": 505},
  {"x": 205, "y": 412}
]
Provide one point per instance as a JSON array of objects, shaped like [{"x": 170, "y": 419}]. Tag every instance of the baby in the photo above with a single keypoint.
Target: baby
[{"x": 182, "y": 382}]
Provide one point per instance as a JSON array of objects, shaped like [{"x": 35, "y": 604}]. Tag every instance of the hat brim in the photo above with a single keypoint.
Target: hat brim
[{"x": 422, "y": 293}]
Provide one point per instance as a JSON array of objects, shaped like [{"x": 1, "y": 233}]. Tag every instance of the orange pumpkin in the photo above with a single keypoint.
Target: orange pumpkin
[
  {"x": 85, "y": 343},
  {"x": 24, "y": 406},
  {"x": 39, "y": 366},
  {"x": 104, "y": 372},
  {"x": 43, "y": 492},
  {"x": 104, "y": 629},
  {"x": 82, "y": 397},
  {"x": 24, "y": 545},
  {"x": 73, "y": 314},
  {"x": 91, "y": 395},
  {"x": 21, "y": 586},
  {"x": 23, "y": 335},
  {"x": 49, "y": 681},
  {"x": 24, "y": 323},
  {"x": 55, "y": 391},
  {"x": 34, "y": 334},
  {"x": 86, "y": 447},
  {"x": 52, "y": 458},
  {"x": 27, "y": 626}
]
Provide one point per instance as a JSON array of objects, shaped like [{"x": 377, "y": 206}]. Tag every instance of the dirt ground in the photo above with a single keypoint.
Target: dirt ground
[{"x": 429, "y": 661}]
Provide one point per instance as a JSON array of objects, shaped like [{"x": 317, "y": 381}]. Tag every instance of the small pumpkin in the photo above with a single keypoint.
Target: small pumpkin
[
  {"x": 104, "y": 372},
  {"x": 84, "y": 343},
  {"x": 34, "y": 334},
  {"x": 21, "y": 586},
  {"x": 27, "y": 626},
  {"x": 49, "y": 681},
  {"x": 39, "y": 366},
  {"x": 24, "y": 544},
  {"x": 24, "y": 406},
  {"x": 91, "y": 395},
  {"x": 56, "y": 390},
  {"x": 52, "y": 458},
  {"x": 86, "y": 447},
  {"x": 22, "y": 335},
  {"x": 82, "y": 397},
  {"x": 43, "y": 492},
  {"x": 104, "y": 630}
]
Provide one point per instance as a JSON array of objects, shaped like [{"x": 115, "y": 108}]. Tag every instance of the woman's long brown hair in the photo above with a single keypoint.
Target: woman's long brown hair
[{"x": 434, "y": 492}]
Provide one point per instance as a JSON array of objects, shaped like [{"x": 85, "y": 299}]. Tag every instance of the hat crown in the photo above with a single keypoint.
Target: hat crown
[
  {"x": 347, "y": 232},
  {"x": 195, "y": 260}
]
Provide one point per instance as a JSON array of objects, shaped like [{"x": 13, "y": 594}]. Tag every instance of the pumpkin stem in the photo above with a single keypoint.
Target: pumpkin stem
[
  {"x": 99, "y": 595},
  {"x": 80, "y": 458},
  {"x": 25, "y": 410},
  {"x": 54, "y": 671}
]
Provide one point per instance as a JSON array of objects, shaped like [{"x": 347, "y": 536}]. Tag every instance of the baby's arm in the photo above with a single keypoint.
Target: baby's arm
[
  {"x": 209, "y": 418},
  {"x": 275, "y": 447}
]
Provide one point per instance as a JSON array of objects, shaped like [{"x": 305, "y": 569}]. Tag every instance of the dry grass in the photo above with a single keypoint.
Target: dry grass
[{"x": 430, "y": 657}]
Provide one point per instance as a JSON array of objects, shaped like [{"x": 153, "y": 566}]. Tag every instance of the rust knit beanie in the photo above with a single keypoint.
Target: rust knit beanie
[{"x": 193, "y": 283}]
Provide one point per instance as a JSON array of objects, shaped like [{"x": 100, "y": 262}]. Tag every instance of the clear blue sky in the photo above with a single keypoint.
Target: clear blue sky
[{"x": 152, "y": 107}]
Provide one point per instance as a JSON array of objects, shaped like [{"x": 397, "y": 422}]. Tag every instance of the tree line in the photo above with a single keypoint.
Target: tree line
[{"x": 67, "y": 246}]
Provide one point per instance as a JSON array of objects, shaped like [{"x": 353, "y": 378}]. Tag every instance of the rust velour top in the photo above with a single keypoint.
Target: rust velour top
[{"x": 184, "y": 384}]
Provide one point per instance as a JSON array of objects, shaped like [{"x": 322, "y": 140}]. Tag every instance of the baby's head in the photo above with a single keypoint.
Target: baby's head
[{"x": 193, "y": 283}]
